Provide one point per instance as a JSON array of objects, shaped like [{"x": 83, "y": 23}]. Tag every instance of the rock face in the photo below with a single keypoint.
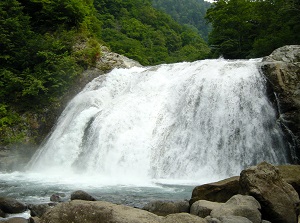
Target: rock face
[
  {"x": 278, "y": 199},
  {"x": 239, "y": 205},
  {"x": 79, "y": 211},
  {"x": 220, "y": 191},
  {"x": 282, "y": 70},
  {"x": 11, "y": 206},
  {"x": 164, "y": 208}
]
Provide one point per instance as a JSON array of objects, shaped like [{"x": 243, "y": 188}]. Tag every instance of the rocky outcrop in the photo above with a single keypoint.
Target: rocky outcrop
[
  {"x": 239, "y": 205},
  {"x": 282, "y": 70},
  {"x": 164, "y": 208},
  {"x": 220, "y": 191},
  {"x": 278, "y": 199}
]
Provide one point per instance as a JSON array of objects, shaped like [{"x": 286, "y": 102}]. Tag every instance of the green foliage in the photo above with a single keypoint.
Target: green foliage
[
  {"x": 191, "y": 12},
  {"x": 137, "y": 30},
  {"x": 246, "y": 28}
]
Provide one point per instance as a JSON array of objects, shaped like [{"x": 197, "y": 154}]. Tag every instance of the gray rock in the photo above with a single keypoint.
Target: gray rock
[
  {"x": 164, "y": 208},
  {"x": 39, "y": 209},
  {"x": 239, "y": 205},
  {"x": 79, "y": 211},
  {"x": 291, "y": 174},
  {"x": 220, "y": 191},
  {"x": 17, "y": 220},
  {"x": 11, "y": 206},
  {"x": 183, "y": 218},
  {"x": 57, "y": 197},
  {"x": 203, "y": 208},
  {"x": 82, "y": 195},
  {"x": 234, "y": 219},
  {"x": 282, "y": 70},
  {"x": 209, "y": 219},
  {"x": 278, "y": 199}
]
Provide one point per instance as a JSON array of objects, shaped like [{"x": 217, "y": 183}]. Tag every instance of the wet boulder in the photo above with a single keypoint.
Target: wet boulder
[
  {"x": 239, "y": 205},
  {"x": 39, "y": 209},
  {"x": 203, "y": 208},
  {"x": 11, "y": 206},
  {"x": 57, "y": 197},
  {"x": 164, "y": 208},
  {"x": 82, "y": 195},
  {"x": 79, "y": 211},
  {"x": 17, "y": 220},
  {"x": 278, "y": 199},
  {"x": 183, "y": 218},
  {"x": 220, "y": 191}
]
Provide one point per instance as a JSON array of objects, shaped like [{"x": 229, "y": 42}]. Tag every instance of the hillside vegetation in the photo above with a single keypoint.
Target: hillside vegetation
[
  {"x": 46, "y": 44},
  {"x": 191, "y": 13},
  {"x": 249, "y": 29}
]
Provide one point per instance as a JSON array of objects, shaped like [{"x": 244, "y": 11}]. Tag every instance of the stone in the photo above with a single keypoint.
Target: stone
[
  {"x": 278, "y": 199},
  {"x": 34, "y": 220},
  {"x": 220, "y": 191},
  {"x": 291, "y": 174},
  {"x": 282, "y": 70},
  {"x": 239, "y": 205},
  {"x": 183, "y": 218},
  {"x": 234, "y": 219},
  {"x": 164, "y": 208},
  {"x": 209, "y": 219},
  {"x": 57, "y": 197},
  {"x": 11, "y": 206},
  {"x": 2, "y": 214},
  {"x": 82, "y": 195},
  {"x": 203, "y": 208},
  {"x": 17, "y": 220},
  {"x": 39, "y": 209},
  {"x": 79, "y": 211}
]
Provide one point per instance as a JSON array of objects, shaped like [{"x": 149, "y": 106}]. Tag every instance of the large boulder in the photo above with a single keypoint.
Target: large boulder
[
  {"x": 39, "y": 209},
  {"x": 278, "y": 199},
  {"x": 79, "y": 211},
  {"x": 203, "y": 208},
  {"x": 82, "y": 195},
  {"x": 220, "y": 191},
  {"x": 183, "y": 218},
  {"x": 282, "y": 70},
  {"x": 164, "y": 208},
  {"x": 239, "y": 205},
  {"x": 291, "y": 174},
  {"x": 11, "y": 206}
]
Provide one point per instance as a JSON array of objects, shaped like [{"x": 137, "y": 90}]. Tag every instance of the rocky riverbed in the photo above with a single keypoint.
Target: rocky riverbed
[{"x": 261, "y": 194}]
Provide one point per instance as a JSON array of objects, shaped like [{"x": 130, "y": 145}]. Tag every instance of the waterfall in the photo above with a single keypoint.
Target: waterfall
[{"x": 185, "y": 121}]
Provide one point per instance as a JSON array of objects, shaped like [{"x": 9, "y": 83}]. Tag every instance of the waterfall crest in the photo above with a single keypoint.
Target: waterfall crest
[{"x": 183, "y": 121}]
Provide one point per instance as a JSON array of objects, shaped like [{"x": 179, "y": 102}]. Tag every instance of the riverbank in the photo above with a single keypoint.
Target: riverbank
[{"x": 260, "y": 194}]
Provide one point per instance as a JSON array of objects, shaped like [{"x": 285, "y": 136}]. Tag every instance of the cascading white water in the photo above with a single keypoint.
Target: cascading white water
[{"x": 185, "y": 121}]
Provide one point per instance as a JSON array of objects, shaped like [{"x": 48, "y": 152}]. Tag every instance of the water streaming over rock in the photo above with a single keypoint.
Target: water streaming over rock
[{"x": 184, "y": 121}]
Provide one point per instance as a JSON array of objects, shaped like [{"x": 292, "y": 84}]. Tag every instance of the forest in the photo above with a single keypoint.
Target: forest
[{"x": 45, "y": 45}]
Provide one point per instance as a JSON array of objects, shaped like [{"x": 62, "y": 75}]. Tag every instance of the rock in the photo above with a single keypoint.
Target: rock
[
  {"x": 291, "y": 174},
  {"x": 278, "y": 199},
  {"x": 17, "y": 220},
  {"x": 34, "y": 220},
  {"x": 234, "y": 219},
  {"x": 11, "y": 206},
  {"x": 81, "y": 195},
  {"x": 202, "y": 208},
  {"x": 78, "y": 211},
  {"x": 209, "y": 219},
  {"x": 2, "y": 214},
  {"x": 282, "y": 70},
  {"x": 39, "y": 209},
  {"x": 220, "y": 191},
  {"x": 57, "y": 197},
  {"x": 183, "y": 218},
  {"x": 239, "y": 205},
  {"x": 164, "y": 208}
]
